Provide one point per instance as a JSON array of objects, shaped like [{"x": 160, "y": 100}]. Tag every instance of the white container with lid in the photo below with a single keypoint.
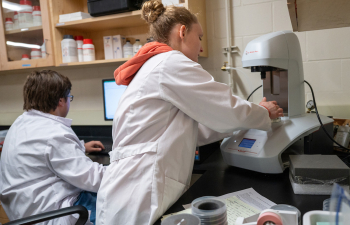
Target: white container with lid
[
  {"x": 79, "y": 41},
  {"x": 25, "y": 16},
  {"x": 69, "y": 49},
  {"x": 136, "y": 46},
  {"x": 128, "y": 50},
  {"x": 15, "y": 20},
  {"x": 35, "y": 53},
  {"x": 8, "y": 24},
  {"x": 88, "y": 50},
  {"x": 25, "y": 57},
  {"x": 36, "y": 16}
]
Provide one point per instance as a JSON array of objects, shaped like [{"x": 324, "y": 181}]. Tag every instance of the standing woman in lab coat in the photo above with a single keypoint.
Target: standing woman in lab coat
[{"x": 171, "y": 105}]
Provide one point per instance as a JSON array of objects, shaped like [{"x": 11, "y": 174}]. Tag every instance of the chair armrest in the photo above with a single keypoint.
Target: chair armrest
[{"x": 81, "y": 210}]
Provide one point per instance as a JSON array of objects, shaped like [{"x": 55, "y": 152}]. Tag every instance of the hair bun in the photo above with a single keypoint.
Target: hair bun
[{"x": 151, "y": 10}]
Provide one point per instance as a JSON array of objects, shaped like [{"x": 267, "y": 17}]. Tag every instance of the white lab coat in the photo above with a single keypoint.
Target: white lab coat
[
  {"x": 44, "y": 167},
  {"x": 155, "y": 133}
]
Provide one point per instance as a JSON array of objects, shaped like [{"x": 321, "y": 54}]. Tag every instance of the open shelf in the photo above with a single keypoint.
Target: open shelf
[
  {"x": 95, "y": 62},
  {"x": 122, "y": 20}
]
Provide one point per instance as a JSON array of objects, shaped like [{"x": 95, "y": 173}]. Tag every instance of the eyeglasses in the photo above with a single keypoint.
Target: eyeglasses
[{"x": 71, "y": 97}]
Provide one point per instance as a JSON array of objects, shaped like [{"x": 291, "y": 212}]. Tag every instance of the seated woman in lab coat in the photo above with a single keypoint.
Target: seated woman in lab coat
[
  {"x": 171, "y": 105},
  {"x": 43, "y": 163}
]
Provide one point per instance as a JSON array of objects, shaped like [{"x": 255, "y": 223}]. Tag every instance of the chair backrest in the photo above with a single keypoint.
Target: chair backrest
[{"x": 81, "y": 210}]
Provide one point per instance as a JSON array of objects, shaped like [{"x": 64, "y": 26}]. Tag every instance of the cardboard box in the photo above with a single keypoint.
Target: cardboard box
[
  {"x": 309, "y": 15},
  {"x": 118, "y": 43},
  {"x": 108, "y": 47}
]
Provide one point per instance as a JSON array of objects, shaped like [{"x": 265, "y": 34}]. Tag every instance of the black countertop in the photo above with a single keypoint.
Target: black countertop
[{"x": 219, "y": 179}]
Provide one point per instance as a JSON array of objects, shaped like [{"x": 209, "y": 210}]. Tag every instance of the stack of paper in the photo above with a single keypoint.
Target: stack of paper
[
  {"x": 245, "y": 203},
  {"x": 73, "y": 16}
]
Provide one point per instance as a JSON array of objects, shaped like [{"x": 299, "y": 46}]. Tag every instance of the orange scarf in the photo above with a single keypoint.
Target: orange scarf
[{"x": 126, "y": 72}]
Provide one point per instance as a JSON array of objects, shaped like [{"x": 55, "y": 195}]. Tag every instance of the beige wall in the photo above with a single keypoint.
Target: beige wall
[
  {"x": 326, "y": 53},
  {"x": 326, "y": 56}
]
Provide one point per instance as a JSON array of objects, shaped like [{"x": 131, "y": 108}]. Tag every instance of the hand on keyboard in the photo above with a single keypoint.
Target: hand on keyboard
[{"x": 93, "y": 146}]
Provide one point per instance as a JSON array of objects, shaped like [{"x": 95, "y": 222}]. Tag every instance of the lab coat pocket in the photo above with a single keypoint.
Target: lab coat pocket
[
  {"x": 131, "y": 150},
  {"x": 172, "y": 192}
]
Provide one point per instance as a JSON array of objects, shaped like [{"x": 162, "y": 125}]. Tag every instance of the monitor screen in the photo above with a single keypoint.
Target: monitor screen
[{"x": 111, "y": 96}]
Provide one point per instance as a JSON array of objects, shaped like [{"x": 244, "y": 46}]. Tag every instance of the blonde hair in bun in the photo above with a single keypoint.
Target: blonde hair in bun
[{"x": 162, "y": 19}]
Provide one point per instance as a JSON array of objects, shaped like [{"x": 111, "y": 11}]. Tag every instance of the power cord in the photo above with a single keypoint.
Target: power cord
[
  {"x": 318, "y": 116},
  {"x": 253, "y": 92}
]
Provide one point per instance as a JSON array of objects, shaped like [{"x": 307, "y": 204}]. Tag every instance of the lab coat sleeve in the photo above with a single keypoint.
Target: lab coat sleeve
[
  {"x": 65, "y": 157},
  {"x": 193, "y": 90},
  {"x": 207, "y": 135}
]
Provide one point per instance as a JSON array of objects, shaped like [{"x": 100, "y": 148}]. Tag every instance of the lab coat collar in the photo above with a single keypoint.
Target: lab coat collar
[{"x": 65, "y": 121}]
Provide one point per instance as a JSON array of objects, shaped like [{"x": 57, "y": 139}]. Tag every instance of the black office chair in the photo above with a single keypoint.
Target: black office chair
[{"x": 81, "y": 210}]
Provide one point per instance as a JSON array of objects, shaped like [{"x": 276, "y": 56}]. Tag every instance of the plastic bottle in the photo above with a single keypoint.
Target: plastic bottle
[
  {"x": 88, "y": 50},
  {"x": 43, "y": 50},
  {"x": 79, "y": 41},
  {"x": 136, "y": 46},
  {"x": 25, "y": 57},
  {"x": 127, "y": 50},
  {"x": 25, "y": 16},
  {"x": 8, "y": 24},
  {"x": 35, "y": 53},
  {"x": 36, "y": 16},
  {"x": 15, "y": 20},
  {"x": 69, "y": 49}
]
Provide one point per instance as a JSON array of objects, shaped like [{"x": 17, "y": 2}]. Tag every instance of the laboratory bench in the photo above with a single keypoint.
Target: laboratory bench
[{"x": 218, "y": 179}]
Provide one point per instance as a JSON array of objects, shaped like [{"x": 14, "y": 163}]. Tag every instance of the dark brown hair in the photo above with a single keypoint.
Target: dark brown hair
[
  {"x": 162, "y": 19},
  {"x": 43, "y": 90}
]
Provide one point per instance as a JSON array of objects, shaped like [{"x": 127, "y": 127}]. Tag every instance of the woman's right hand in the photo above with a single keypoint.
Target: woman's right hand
[{"x": 274, "y": 110}]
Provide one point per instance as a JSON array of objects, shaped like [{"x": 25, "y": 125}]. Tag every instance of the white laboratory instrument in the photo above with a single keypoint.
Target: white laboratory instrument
[{"x": 277, "y": 56}]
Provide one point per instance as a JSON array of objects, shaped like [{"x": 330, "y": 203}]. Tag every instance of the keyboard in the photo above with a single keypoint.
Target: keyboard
[{"x": 105, "y": 151}]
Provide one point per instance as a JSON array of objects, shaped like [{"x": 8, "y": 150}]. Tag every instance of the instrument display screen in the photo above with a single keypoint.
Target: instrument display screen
[{"x": 247, "y": 143}]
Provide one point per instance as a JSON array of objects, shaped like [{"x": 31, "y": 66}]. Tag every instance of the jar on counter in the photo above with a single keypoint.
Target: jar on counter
[
  {"x": 8, "y": 24},
  {"x": 36, "y": 16},
  {"x": 69, "y": 49},
  {"x": 25, "y": 57},
  {"x": 15, "y": 20},
  {"x": 35, "y": 53},
  {"x": 88, "y": 50},
  {"x": 25, "y": 17},
  {"x": 79, "y": 41}
]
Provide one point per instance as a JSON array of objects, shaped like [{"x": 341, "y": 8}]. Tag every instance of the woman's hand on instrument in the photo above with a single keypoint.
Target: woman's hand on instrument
[
  {"x": 274, "y": 110},
  {"x": 93, "y": 146}
]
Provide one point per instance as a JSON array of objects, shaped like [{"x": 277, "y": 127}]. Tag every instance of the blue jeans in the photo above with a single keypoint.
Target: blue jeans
[{"x": 88, "y": 200}]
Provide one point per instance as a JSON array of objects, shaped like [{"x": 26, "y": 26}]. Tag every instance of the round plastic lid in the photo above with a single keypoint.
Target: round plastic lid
[
  {"x": 25, "y": 56},
  {"x": 25, "y": 2},
  {"x": 36, "y": 8},
  {"x": 181, "y": 219},
  {"x": 78, "y": 38},
  {"x": 87, "y": 41},
  {"x": 67, "y": 36},
  {"x": 285, "y": 207},
  {"x": 8, "y": 19}
]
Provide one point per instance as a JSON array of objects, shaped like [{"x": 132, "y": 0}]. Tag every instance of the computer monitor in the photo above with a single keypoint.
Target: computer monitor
[{"x": 111, "y": 96}]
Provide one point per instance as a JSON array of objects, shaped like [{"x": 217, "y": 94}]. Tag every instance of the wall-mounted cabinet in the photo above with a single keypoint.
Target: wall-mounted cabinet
[
  {"x": 23, "y": 34},
  {"x": 309, "y": 15},
  {"x": 129, "y": 25}
]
